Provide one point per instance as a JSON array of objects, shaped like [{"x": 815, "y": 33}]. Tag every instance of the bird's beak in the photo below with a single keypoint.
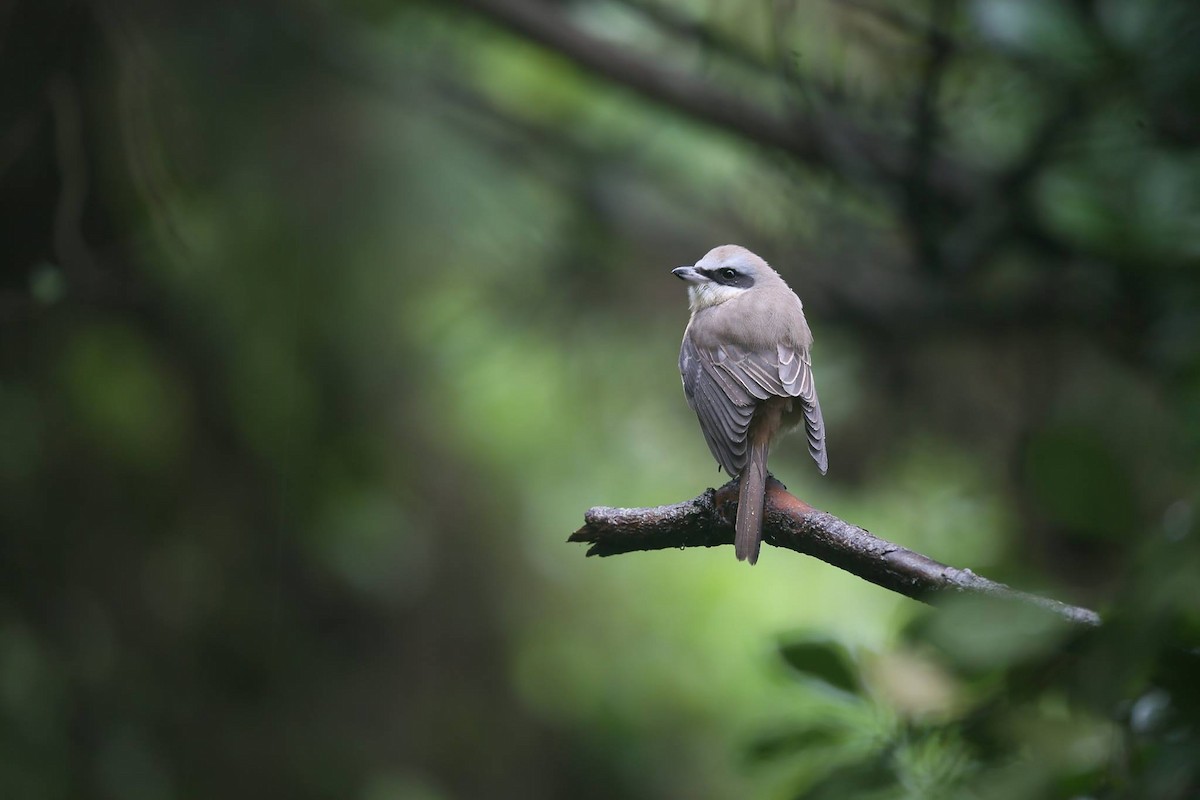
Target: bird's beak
[{"x": 688, "y": 274}]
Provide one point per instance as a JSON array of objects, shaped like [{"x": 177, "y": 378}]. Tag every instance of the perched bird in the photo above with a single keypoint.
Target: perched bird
[{"x": 747, "y": 373}]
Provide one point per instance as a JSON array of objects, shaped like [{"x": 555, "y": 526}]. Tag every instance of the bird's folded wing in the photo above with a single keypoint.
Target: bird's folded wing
[
  {"x": 784, "y": 372},
  {"x": 722, "y": 404}
]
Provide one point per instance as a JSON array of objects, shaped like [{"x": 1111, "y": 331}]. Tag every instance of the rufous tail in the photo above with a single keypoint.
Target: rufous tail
[{"x": 751, "y": 499}]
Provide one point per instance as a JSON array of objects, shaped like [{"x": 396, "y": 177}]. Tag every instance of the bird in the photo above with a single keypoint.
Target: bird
[{"x": 747, "y": 374}]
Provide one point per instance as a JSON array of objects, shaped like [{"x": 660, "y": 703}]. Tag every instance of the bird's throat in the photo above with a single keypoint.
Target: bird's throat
[{"x": 707, "y": 295}]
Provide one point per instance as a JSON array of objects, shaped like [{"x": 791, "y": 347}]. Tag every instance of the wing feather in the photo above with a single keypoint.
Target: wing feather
[
  {"x": 722, "y": 405},
  {"x": 725, "y": 384}
]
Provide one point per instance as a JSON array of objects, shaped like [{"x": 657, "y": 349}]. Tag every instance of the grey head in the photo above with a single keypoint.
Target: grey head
[{"x": 725, "y": 273}]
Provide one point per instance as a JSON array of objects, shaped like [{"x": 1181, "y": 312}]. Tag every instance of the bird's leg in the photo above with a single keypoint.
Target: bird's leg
[{"x": 725, "y": 501}]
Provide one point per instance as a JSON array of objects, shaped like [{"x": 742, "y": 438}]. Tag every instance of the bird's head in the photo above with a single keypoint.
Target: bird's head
[{"x": 725, "y": 272}]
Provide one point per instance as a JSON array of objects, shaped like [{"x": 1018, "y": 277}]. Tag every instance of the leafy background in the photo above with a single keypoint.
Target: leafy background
[{"x": 323, "y": 323}]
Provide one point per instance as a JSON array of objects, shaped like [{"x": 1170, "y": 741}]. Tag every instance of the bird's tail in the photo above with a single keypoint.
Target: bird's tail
[{"x": 751, "y": 500}]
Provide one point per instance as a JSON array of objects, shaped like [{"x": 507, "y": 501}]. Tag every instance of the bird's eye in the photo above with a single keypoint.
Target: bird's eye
[{"x": 728, "y": 274}]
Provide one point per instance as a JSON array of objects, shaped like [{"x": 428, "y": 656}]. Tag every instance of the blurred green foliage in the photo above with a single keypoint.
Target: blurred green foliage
[{"x": 322, "y": 323}]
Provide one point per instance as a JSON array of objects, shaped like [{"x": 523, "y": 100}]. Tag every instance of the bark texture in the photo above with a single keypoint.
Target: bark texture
[{"x": 790, "y": 523}]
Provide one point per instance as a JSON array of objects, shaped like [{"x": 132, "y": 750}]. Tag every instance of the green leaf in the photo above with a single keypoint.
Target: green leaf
[
  {"x": 825, "y": 661},
  {"x": 978, "y": 636},
  {"x": 788, "y": 741}
]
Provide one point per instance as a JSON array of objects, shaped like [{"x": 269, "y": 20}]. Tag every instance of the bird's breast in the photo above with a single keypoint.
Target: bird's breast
[{"x": 754, "y": 323}]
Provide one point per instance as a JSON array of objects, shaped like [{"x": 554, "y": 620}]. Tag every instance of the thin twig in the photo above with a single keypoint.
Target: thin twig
[{"x": 790, "y": 523}]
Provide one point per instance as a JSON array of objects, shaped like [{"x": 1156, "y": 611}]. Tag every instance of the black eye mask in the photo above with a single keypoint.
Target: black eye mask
[{"x": 738, "y": 279}]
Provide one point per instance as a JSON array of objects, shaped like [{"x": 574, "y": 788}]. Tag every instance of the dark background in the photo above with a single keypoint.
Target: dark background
[{"x": 321, "y": 324}]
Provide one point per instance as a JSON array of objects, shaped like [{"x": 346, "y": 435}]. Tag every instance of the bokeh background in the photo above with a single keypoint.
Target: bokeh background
[{"x": 322, "y": 324}]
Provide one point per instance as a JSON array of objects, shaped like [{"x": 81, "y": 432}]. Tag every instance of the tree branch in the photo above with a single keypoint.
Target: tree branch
[
  {"x": 820, "y": 142},
  {"x": 707, "y": 521}
]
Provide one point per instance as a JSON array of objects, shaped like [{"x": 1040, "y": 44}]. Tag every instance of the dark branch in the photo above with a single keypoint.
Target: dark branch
[
  {"x": 791, "y": 523},
  {"x": 827, "y": 139},
  {"x": 822, "y": 142}
]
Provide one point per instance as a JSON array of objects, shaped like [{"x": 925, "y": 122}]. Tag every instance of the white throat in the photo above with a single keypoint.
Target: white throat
[{"x": 703, "y": 295}]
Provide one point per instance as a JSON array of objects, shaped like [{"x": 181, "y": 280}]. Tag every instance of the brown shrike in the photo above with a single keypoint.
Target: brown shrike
[{"x": 747, "y": 373}]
